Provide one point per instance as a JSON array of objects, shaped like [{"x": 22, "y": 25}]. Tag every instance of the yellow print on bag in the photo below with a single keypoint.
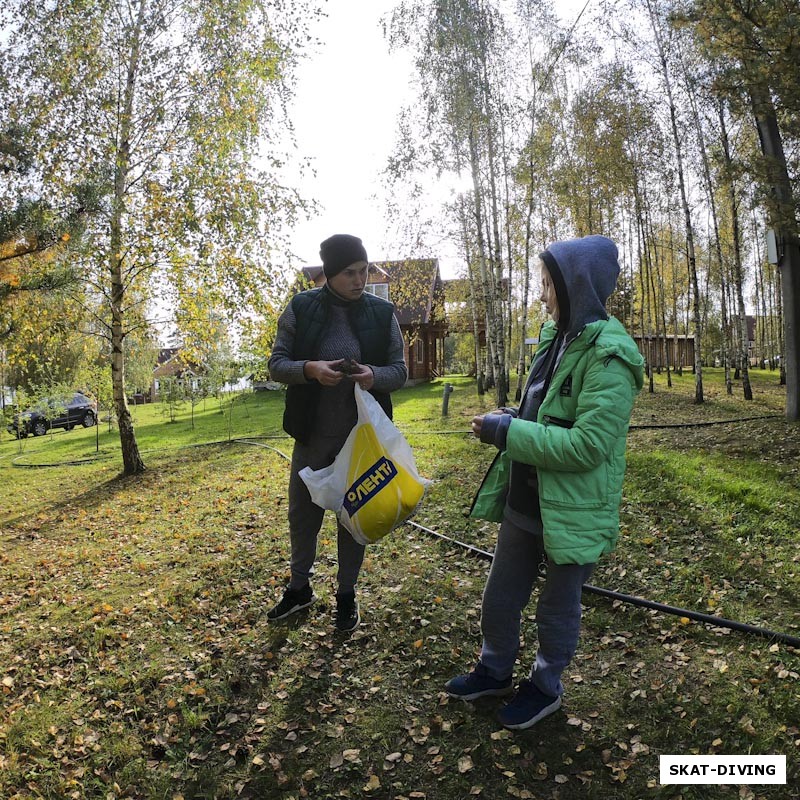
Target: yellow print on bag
[
  {"x": 368, "y": 484},
  {"x": 382, "y": 493}
]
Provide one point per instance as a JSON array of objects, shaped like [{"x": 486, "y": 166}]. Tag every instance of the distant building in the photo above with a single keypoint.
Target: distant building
[
  {"x": 169, "y": 364},
  {"x": 659, "y": 351}
]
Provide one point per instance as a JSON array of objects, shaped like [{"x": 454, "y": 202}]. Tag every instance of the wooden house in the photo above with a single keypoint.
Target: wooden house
[
  {"x": 414, "y": 286},
  {"x": 171, "y": 363},
  {"x": 658, "y": 351}
]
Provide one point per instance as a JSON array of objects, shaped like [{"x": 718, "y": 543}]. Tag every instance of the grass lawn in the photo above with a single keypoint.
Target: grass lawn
[{"x": 136, "y": 660}]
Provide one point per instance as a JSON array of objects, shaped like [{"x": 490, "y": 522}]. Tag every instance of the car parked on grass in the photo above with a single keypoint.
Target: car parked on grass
[{"x": 64, "y": 412}]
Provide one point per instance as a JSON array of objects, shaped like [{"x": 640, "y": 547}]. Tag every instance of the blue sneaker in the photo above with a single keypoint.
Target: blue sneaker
[
  {"x": 478, "y": 683},
  {"x": 529, "y": 705}
]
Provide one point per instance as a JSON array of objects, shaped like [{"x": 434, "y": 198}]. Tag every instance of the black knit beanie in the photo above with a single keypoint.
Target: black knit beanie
[{"x": 340, "y": 251}]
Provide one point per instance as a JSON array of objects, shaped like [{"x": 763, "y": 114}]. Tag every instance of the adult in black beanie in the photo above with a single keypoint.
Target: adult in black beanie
[
  {"x": 328, "y": 338},
  {"x": 340, "y": 251}
]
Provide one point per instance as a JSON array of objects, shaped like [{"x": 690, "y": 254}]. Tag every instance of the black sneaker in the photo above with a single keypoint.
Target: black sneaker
[
  {"x": 347, "y": 616},
  {"x": 478, "y": 683},
  {"x": 529, "y": 705},
  {"x": 293, "y": 600}
]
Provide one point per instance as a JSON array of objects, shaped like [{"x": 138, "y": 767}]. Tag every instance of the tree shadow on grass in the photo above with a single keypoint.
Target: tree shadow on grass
[
  {"x": 87, "y": 500},
  {"x": 49, "y": 516},
  {"x": 288, "y": 702}
]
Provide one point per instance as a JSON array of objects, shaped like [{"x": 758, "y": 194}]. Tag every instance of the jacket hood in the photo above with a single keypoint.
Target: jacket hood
[{"x": 584, "y": 273}]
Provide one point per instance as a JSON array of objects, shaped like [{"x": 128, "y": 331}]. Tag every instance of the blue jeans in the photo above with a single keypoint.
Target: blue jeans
[{"x": 514, "y": 570}]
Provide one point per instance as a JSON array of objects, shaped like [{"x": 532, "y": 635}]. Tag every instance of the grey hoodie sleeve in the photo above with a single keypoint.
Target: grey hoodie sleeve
[
  {"x": 282, "y": 367},
  {"x": 395, "y": 373}
]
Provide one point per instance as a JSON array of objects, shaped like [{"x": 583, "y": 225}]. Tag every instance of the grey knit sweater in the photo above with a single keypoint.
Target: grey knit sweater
[{"x": 336, "y": 410}]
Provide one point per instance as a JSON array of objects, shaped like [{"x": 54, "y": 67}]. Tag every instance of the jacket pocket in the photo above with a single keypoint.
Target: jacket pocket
[
  {"x": 558, "y": 421},
  {"x": 575, "y": 489},
  {"x": 300, "y": 410}
]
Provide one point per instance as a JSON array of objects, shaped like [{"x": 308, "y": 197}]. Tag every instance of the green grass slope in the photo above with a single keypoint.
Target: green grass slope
[{"x": 136, "y": 660}]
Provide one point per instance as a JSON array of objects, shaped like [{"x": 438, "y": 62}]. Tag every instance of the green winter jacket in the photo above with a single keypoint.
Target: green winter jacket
[{"x": 577, "y": 444}]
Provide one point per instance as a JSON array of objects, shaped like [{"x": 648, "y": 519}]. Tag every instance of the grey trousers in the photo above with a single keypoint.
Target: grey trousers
[
  {"x": 305, "y": 519},
  {"x": 514, "y": 570}
]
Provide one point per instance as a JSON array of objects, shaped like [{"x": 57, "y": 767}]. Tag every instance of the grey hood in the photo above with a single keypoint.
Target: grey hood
[{"x": 584, "y": 273}]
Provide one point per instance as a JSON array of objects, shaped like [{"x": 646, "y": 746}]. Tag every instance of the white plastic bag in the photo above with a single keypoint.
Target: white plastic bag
[{"x": 373, "y": 484}]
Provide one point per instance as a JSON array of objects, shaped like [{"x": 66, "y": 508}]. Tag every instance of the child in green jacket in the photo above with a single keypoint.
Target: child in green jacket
[{"x": 556, "y": 485}]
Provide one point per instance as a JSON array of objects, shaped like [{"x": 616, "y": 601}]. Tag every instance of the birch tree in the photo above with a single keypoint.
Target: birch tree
[
  {"x": 457, "y": 51},
  {"x": 656, "y": 21},
  {"x": 163, "y": 104}
]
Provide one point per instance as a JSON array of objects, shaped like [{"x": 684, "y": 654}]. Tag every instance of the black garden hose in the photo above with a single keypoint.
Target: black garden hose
[
  {"x": 702, "y": 424},
  {"x": 698, "y": 616},
  {"x": 718, "y": 622}
]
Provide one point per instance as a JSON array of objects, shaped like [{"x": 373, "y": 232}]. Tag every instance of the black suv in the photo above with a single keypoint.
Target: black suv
[{"x": 49, "y": 413}]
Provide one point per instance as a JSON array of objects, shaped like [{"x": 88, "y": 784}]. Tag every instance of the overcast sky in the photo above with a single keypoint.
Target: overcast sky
[{"x": 348, "y": 95}]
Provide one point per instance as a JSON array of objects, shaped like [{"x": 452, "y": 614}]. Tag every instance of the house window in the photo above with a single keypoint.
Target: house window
[
  {"x": 420, "y": 355},
  {"x": 379, "y": 289}
]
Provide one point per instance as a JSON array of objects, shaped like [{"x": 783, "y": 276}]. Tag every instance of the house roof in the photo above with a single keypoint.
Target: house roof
[
  {"x": 314, "y": 274},
  {"x": 414, "y": 286},
  {"x": 166, "y": 354},
  {"x": 171, "y": 362}
]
